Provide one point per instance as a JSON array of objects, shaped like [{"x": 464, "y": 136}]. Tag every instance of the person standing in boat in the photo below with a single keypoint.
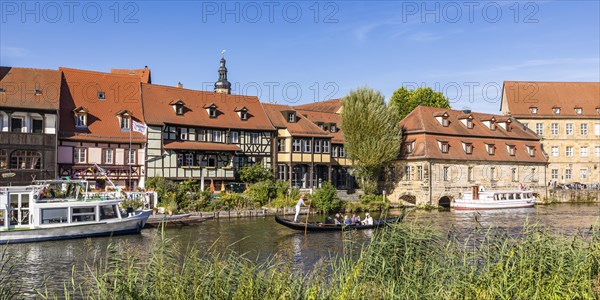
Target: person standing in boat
[
  {"x": 298, "y": 206},
  {"x": 368, "y": 219}
]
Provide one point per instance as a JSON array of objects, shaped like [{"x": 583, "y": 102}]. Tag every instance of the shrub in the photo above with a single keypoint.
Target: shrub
[
  {"x": 261, "y": 192},
  {"x": 255, "y": 173},
  {"x": 373, "y": 202},
  {"x": 234, "y": 200},
  {"x": 325, "y": 198}
]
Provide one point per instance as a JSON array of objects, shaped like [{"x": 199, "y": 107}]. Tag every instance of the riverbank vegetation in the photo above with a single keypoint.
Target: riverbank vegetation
[
  {"x": 261, "y": 191},
  {"x": 403, "y": 261}
]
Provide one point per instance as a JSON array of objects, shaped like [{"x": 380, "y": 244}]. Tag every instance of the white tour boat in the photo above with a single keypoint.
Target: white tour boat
[
  {"x": 62, "y": 209},
  {"x": 479, "y": 198}
]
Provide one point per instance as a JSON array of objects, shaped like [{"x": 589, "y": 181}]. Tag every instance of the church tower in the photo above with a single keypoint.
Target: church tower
[{"x": 222, "y": 85}]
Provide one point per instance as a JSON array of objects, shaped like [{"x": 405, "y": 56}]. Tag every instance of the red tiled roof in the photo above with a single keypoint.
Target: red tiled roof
[
  {"x": 422, "y": 126},
  {"x": 122, "y": 92},
  {"x": 422, "y": 119},
  {"x": 157, "y": 111},
  {"x": 143, "y": 74},
  {"x": 302, "y": 127},
  {"x": 190, "y": 145},
  {"x": 329, "y": 106},
  {"x": 520, "y": 96},
  {"x": 19, "y": 85},
  {"x": 426, "y": 147},
  {"x": 322, "y": 117}
]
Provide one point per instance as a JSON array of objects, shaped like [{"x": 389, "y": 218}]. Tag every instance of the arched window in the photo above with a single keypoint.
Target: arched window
[
  {"x": 3, "y": 159},
  {"x": 25, "y": 159}
]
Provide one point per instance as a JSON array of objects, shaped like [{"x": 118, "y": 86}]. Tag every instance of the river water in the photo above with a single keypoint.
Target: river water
[{"x": 52, "y": 262}]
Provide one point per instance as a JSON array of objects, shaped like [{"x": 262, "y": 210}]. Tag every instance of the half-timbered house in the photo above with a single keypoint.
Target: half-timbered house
[
  {"x": 204, "y": 135},
  {"x": 96, "y": 141}
]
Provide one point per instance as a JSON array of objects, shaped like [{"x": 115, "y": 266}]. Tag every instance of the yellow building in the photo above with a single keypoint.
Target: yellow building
[
  {"x": 566, "y": 116},
  {"x": 304, "y": 153}
]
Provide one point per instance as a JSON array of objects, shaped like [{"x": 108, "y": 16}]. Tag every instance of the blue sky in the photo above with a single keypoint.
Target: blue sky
[{"x": 300, "y": 52}]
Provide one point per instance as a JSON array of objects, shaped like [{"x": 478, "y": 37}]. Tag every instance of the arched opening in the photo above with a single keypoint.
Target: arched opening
[
  {"x": 26, "y": 159},
  {"x": 444, "y": 202},
  {"x": 409, "y": 199}
]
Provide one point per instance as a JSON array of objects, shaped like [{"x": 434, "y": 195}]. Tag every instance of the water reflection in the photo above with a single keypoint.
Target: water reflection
[{"x": 263, "y": 237}]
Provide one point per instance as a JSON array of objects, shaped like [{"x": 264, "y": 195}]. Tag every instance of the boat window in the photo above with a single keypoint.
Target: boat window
[
  {"x": 54, "y": 215},
  {"x": 503, "y": 196},
  {"x": 510, "y": 196},
  {"x": 107, "y": 212},
  {"x": 83, "y": 214},
  {"x": 518, "y": 196}
]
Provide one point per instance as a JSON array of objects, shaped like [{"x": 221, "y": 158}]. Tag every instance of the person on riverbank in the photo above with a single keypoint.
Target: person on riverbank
[
  {"x": 298, "y": 206},
  {"x": 368, "y": 219}
]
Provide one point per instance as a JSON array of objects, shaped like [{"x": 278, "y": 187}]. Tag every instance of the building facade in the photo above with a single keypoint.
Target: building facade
[
  {"x": 96, "y": 140},
  {"x": 326, "y": 115},
  {"x": 566, "y": 116},
  {"x": 445, "y": 152},
  {"x": 29, "y": 102},
  {"x": 204, "y": 135}
]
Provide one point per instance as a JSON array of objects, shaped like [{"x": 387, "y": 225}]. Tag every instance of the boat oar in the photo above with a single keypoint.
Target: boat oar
[{"x": 306, "y": 222}]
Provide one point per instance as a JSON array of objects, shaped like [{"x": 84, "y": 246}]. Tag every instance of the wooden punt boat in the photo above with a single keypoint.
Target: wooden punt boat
[{"x": 317, "y": 226}]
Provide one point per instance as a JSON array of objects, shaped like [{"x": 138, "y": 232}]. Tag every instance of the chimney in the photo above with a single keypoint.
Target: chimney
[
  {"x": 179, "y": 85},
  {"x": 466, "y": 111}
]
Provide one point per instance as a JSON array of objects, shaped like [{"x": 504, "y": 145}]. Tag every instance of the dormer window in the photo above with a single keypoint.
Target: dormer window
[
  {"x": 511, "y": 150},
  {"x": 442, "y": 117},
  {"x": 492, "y": 126},
  {"x": 124, "y": 120},
  {"x": 445, "y": 122},
  {"x": 533, "y": 110},
  {"x": 578, "y": 110},
  {"x": 37, "y": 92},
  {"x": 242, "y": 113},
  {"x": 101, "y": 95},
  {"x": 469, "y": 123},
  {"x": 531, "y": 151},
  {"x": 491, "y": 149},
  {"x": 444, "y": 147},
  {"x": 598, "y": 110},
  {"x": 332, "y": 128},
  {"x": 80, "y": 117},
  {"x": 179, "y": 106},
  {"x": 321, "y": 126},
  {"x": 292, "y": 117},
  {"x": 556, "y": 110},
  {"x": 211, "y": 109},
  {"x": 409, "y": 147},
  {"x": 508, "y": 128},
  {"x": 468, "y": 148}
]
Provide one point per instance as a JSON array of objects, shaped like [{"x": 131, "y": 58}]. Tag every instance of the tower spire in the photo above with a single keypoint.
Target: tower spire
[{"x": 222, "y": 85}]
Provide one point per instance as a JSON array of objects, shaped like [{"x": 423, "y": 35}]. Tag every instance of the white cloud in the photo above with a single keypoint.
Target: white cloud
[{"x": 13, "y": 52}]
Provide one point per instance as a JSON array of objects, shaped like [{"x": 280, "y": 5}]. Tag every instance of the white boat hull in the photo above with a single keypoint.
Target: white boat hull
[
  {"x": 133, "y": 224},
  {"x": 491, "y": 204}
]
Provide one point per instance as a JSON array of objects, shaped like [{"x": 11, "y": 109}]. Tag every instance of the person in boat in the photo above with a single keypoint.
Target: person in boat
[
  {"x": 368, "y": 219},
  {"x": 355, "y": 219},
  {"x": 298, "y": 206},
  {"x": 338, "y": 219},
  {"x": 347, "y": 220},
  {"x": 328, "y": 220}
]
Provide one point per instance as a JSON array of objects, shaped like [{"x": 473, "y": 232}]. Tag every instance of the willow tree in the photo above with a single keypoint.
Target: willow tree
[{"x": 372, "y": 134}]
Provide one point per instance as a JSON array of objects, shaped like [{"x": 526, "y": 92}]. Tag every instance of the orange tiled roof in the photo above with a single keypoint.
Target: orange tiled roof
[
  {"x": 122, "y": 92},
  {"x": 330, "y": 106},
  {"x": 158, "y": 111},
  {"x": 323, "y": 117},
  {"x": 422, "y": 127},
  {"x": 190, "y": 145},
  {"x": 144, "y": 73},
  {"x": 302, "y": 126},
  {"x": 19, "y": 85},
  {"x": 520, "y": 96}
]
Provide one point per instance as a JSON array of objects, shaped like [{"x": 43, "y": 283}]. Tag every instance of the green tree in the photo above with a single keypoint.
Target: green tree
[
  {"x": 325, "y": 198},
  {"x": 255, "y": 173},
  {"x": 372, "y": 134},
  {"x": 406, "y": 100}
]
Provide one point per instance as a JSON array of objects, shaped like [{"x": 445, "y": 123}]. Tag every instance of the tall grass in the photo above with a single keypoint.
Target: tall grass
[{"x": 404, "y": 261}]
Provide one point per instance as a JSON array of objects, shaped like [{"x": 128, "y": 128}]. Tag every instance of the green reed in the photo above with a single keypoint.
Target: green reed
[{"x": 403, "y": 261}]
